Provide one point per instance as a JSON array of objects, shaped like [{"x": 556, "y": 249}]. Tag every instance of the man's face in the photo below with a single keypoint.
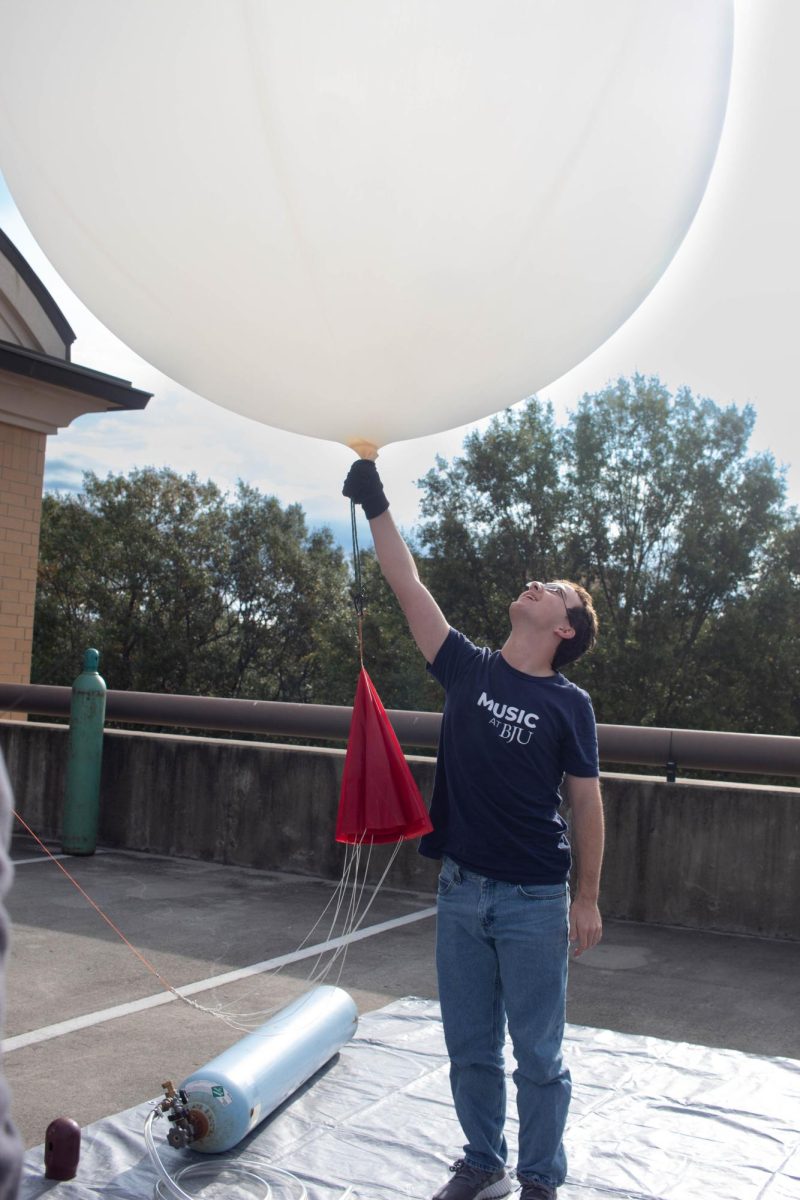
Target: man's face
[{"x": 545, "y": 605}]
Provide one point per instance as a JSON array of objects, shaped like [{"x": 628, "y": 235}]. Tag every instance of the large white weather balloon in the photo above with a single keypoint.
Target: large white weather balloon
[{"x": 362, "y": 219}]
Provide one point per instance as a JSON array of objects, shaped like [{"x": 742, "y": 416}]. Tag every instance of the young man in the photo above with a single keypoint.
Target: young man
[{"x": 513, "y": 729}]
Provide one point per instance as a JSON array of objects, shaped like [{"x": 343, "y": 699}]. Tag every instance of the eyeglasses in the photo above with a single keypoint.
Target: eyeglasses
[
  {"x": 556, "y": 587},
  {"x": 560, "y": 590}
]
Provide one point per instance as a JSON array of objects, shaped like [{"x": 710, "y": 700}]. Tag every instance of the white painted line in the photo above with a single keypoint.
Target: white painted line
[
  {"x": 95, "y": 1018},
  {"x": 49, "y": 857},
  {"x": 23, "y": 862},
  {"x": 204, "y": 985}
]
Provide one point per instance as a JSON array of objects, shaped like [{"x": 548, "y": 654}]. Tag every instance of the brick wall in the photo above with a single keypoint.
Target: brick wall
[{"x": 21, "y": 475}]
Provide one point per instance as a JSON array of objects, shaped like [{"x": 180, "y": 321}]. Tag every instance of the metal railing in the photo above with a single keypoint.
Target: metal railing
[{"x": 667, "y": 749}]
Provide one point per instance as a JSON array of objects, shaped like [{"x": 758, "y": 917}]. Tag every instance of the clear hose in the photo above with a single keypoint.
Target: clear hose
[{"x": 281, "y": 1185}]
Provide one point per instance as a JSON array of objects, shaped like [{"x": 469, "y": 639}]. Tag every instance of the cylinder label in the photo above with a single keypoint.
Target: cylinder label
[{"x": 219, "y": 1094}]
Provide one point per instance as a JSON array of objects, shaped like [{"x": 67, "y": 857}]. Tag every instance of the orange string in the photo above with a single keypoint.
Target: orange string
[{"x": 97, "y": 908}]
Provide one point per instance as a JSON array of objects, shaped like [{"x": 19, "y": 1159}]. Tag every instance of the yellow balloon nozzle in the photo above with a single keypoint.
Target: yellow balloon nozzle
[{"x": 364, "y": 449}]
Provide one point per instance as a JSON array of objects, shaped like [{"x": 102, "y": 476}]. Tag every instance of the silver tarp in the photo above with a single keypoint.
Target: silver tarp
[{"x": 650, "y": 1120}]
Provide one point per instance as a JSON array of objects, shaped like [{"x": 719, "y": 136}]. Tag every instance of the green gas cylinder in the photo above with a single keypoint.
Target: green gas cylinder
[{"x": 84, "y": 759}]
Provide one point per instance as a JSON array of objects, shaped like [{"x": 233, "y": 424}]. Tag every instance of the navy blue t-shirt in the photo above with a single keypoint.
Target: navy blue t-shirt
[{"x": 507, "y": 739}]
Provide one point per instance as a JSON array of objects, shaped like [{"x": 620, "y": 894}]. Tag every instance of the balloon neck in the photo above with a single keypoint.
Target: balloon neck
[{"x": 364, "y": 449}]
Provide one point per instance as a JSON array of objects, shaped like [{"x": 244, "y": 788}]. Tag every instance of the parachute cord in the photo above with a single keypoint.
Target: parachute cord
[{"x": 359, "y": 599}]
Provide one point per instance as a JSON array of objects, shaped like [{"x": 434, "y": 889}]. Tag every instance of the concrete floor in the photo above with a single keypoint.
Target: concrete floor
[{"x": 196, "y": 921}]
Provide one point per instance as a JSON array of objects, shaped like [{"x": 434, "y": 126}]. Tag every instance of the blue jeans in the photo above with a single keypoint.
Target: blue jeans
[{"x": 502, "y": 952}]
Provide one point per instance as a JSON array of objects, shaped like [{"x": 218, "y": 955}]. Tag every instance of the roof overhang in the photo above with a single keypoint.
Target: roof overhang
[{"x": 44, "y": 393}]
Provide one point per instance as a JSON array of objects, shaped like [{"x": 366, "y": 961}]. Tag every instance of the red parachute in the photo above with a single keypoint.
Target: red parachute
[{"x": 379, "y": 802}]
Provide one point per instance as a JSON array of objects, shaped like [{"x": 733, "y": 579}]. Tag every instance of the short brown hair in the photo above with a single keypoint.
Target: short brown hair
[{"x": 584, "y": 621}]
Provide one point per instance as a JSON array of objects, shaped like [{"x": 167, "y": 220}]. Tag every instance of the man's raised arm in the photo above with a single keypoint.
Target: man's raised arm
[{"x": 426, "y": 621}]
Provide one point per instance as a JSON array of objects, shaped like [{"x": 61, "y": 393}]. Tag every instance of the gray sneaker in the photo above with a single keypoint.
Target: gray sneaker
[
  {"x": 470, "y": 1183},
  {"x": 535, "y": 1191}
]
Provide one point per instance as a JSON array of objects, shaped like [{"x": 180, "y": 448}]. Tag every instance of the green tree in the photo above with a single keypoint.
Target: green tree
[
  {"x": 134, "y": 565},
  {"x": 495, "y": 518},
  {"x": 649, "y": 500},
  {"x": 185, "y": 591},
  {"x": 288, "y": 590},
  {"x": 668, "y": 517},
  {"x": 749, "y": 661}
]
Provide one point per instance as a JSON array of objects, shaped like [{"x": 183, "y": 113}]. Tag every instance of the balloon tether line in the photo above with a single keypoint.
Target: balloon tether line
[
  {"x": 164, "y": 983},
  {"x": 238, "y": 1021},
  {"x": 358, "y": 595},
  {"x": 144, "y": 961}
]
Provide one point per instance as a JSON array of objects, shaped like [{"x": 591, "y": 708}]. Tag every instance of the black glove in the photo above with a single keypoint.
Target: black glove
[{"x": 363, "y": 486}]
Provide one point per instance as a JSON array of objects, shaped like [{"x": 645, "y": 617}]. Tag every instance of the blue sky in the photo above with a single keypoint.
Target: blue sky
[{"x": 723, "y": 320}]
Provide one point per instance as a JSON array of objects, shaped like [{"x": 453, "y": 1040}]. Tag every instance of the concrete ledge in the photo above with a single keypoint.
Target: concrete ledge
[
  {"x": 702, "y": 855},
  {"x": 251, "y": 804}
]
